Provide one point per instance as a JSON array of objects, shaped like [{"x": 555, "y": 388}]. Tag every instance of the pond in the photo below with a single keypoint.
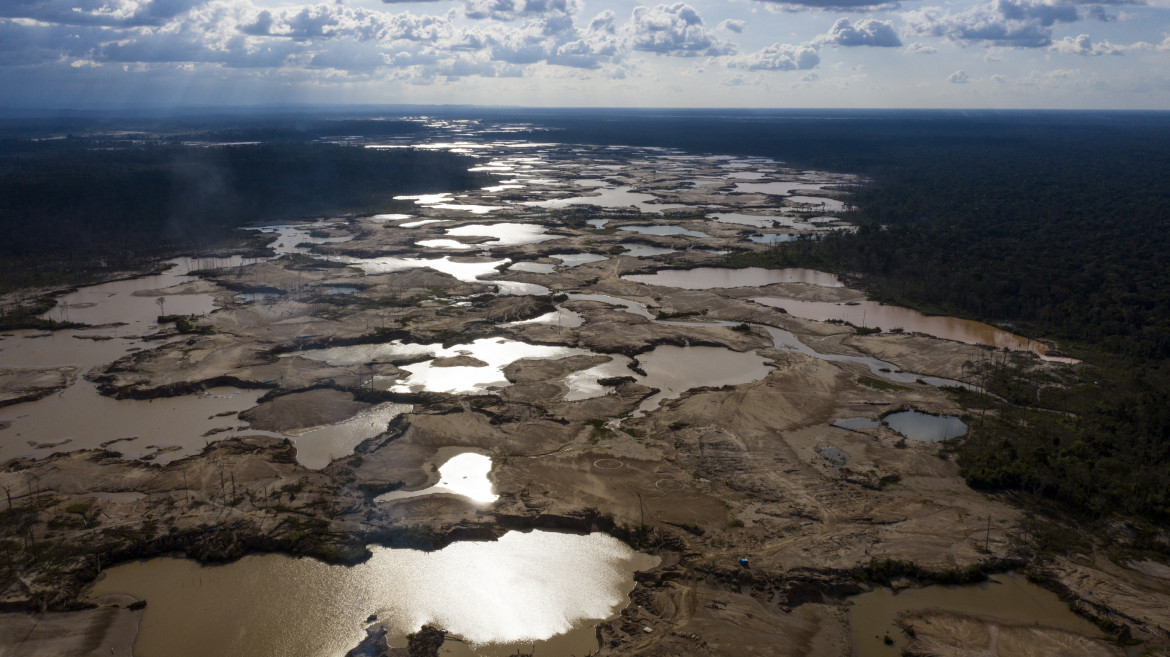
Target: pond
[
  {"x": 611, "y": 197},
  {"x": 706, "y": 278},
  {"x": 161, "y": 429},
  {"x": 664, "y": 231},
  {"x": 925, "y": 427},
  {"x": 521, "y": 588},
  {"x": 674, "y": 370},
  {"x": 643, "y": 250},
  {"x": 868, "y": 313},
  {"x": 318, "y": 447},
  {"x": 1009, "y": 598},
  {"x": 466, "y": 368},
  {"x": 465, "y": 475}
]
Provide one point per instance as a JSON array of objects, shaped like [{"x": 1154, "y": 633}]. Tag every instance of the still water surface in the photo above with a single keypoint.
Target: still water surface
[
  {"x": 873, "y": 314},
  {"x": 524, "y": 587},
  {"x": 1010, "y": 598},
  {"x": 706, "y": 278}
]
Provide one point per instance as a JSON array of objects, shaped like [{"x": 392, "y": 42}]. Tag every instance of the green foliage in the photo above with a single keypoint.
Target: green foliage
[
  {"x": 28, "y": 315},
  {"x": 1094, "y": 440},
  {"x": 185, "y": 324}
]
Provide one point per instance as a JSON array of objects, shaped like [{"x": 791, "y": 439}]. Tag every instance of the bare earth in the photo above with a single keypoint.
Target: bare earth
[{"x": 715, "y": 475}]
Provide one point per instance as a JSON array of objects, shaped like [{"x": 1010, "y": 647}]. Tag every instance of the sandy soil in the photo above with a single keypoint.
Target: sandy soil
[{"x": 716, "y": 475}]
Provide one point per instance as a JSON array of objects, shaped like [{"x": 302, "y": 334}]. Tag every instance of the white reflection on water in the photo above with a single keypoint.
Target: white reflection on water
[
  {"x": 465, "y": 474},
  {"x": 318, "y": 447},
  {"x": 467, "y": 272},
  {"x": 619, "y": 197},
  {"x": 467, "y": 207},
  {"x": 522, "y": 587},
  {"x": 420, "y": 222},
  {"x": 504, "y": 234},
  {"x": 562, "y": 317},
  {"x": 444, "y": 244},
  {"x": 426, "y": 199},
  {"x": 495, "y": 353}
]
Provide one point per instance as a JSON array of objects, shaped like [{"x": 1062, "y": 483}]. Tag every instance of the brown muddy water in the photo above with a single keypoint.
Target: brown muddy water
[
  {"x": 873, "y": 314},
  {"x": 539, "y": 587},
  {"x": 707, "y": 278},
  {"x": 81, "y": 418},
  {"x": 674, "y": 370},
  {"x": 1009, "y": 598}
]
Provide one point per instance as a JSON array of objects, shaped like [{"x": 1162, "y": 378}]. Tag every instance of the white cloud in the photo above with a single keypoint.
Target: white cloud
[
  {"x": 921, "y": 49},
  {"x": 510, "y": 10},
  {"x": 1082, "y": 45},
  {"x": 779, "y": 57},
  {"x": 866, "y": 32},
  {"x": 732, "y": 25},
  {"x": 829, "y": 5},
  {"x": 958, "y": 77},
  {"x": 675, "y": 29},
  {"x": 1012, "y": 23},
  {"x": 123, "y": 13}
]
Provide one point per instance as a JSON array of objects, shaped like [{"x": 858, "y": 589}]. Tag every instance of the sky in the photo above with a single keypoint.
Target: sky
[{"x": 1056, "y": 54}]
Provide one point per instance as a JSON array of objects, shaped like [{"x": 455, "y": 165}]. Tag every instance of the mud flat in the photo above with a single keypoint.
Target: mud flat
[{"x": 617, "y": 414}]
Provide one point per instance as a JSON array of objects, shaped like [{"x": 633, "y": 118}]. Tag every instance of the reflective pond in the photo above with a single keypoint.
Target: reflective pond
[{"x": 522, "y": 588}]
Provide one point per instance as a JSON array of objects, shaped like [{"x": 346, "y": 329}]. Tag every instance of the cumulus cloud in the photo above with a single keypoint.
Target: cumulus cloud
[
  {"x": 1083, "y": 45},
  {"x": 921, "y": 49},
  {"x": 675, "y": 29},
  {"x": 1012, "y": 23},
  {"x": 779, "y": 57},
  {"x": 830, "y": 5},
  {"x": 732, "y": 25},
  {"x": 866, "y": 32},
  {"x": 510, "y": 10},
  {"x": 958, "y": 77},
  {"x": 98, "y": 12}
]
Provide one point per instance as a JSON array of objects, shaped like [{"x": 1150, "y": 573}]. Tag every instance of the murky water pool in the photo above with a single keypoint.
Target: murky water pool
[
  {"x": 1009, "y": 598},
  {"x": 522, "y": 588},
  {"x": 644, "y": 250},
  {"x": 80, "y": 418},
  {"x": 872, "y": 314},
  {"x": 674, "y": 370},
  {"x": 320, "y": 446},
  {"x": 611, "y": 197},
  {"x": 492, "y": 356},
  {"x": 917, "y": 425},
  {"x": 706, "y": 278},
  {"x": 664, "y": 231}
]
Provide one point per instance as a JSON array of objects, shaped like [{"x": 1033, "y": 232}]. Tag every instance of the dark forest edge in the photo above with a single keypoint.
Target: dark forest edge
[
  {"x": 79, "y": 208},
  {"x": 1054, "y": 224}
]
